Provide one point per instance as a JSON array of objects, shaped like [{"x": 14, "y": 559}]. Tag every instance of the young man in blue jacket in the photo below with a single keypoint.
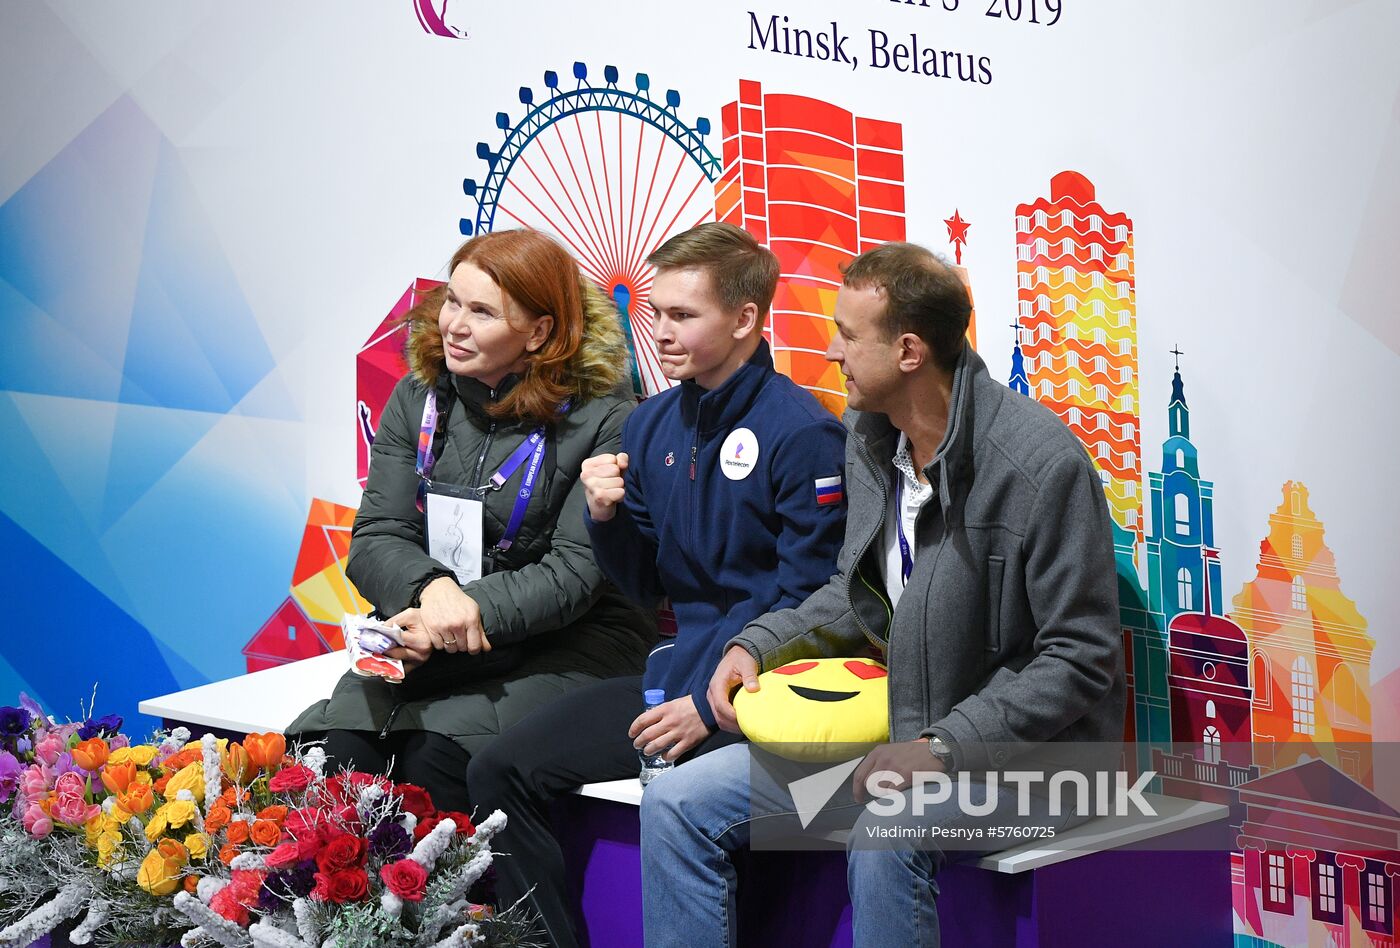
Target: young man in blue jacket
[{"x": 727, "y": 498}]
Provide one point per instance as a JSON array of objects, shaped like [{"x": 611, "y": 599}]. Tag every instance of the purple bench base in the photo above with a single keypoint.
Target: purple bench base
[{"x": 1110, "y": 898}]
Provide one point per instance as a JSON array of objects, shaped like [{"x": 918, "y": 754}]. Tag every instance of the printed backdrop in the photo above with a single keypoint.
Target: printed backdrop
[{"x": 1176, "y": 222}]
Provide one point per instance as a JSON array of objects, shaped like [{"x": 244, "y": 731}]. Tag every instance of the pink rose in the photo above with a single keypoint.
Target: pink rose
[
  {"x": 50, "y": 747},
  {"x": 292, "y": 779},
  {"x": 284, "y": 855}
]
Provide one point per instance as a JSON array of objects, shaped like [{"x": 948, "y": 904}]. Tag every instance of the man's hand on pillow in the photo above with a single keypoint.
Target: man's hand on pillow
[
  {"x": 735, "y": 668},
  {"x": 899, "y": 762},
  {"x": 675, "y": 725}
]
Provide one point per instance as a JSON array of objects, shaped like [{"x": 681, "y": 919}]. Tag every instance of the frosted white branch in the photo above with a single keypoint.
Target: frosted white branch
[
  {"x": 213, "y": 775},
  {"x": 433, "y": 845},
  {"x": 270, "y": 936},
  {"x": 97, "y": 914},
  {"x": 487, "y": 829},
  {"x": 44, "y": 919},
  {"x": 208, "y": 887},
  {"x": 306, "y": 926}
]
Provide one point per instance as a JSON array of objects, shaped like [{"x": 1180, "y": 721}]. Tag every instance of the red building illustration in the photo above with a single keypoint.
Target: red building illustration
[
  {"x": 1320, "y": 855},
  {"x": 288, "y": 635},
  {"x": 1208, "y": 682},
  {"x": 818, "y": 185}
]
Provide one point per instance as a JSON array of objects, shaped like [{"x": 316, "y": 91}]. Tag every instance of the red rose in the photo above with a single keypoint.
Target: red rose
[
  {"x": 347, "y": 885},
  {"x": 406, "y": 879},
  {"x": 344, "y": 851},
  {"x": 292, "y": 779},
  {"x": 464, "y": 824},
  {"x": 415, "y": 800},
  {"x": 424, "y": 827},
  {"x": 465, "y": 827}
]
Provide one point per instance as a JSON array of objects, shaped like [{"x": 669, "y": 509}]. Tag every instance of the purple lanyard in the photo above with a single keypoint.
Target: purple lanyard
[
  {"x": 906, "y": 556},
  {"x": 533, "y": 447}
]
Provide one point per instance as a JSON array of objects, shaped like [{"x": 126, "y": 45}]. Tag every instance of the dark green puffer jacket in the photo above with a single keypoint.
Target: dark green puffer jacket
[{"x": 553, "y": 621}]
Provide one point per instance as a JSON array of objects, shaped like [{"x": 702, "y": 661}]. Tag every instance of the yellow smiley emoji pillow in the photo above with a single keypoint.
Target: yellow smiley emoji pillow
[{"x": 816, "y": 709}]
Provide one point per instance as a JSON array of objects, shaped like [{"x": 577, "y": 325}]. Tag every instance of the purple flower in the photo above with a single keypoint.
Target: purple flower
[
  {"x": 32, "y": 706},
  {"x": 66, "y": 765},
  {"x": 389, "y": 841},
  {"x": 287, "y": 884},
  {"x": 96, "y": 727},
  {"x": 10, "y": 769},
  {"x": 14, "y": 722},
  {"x": 23, "y": 746}
]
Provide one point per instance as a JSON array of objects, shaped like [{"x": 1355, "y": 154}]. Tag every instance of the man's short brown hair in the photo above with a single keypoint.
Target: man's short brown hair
[
  {"x": 923, "y": 295},
  {"x": 741, "y": 269}
]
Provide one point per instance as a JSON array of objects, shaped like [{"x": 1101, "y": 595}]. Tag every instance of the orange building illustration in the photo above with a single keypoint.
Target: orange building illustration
[
  {"x": 818, "y": 185},
  {"x": 1077, "y": 308},
  {"x": 1310, "y": 654}
]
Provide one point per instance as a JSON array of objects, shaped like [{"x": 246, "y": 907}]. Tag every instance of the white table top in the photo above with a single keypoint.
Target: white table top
[
  {"x": 269, "y": 700},
  {"x": 262, "y": 701}
]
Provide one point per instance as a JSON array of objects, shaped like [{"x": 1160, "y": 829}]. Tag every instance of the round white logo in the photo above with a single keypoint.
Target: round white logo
[{"x": 739, "y": 454}]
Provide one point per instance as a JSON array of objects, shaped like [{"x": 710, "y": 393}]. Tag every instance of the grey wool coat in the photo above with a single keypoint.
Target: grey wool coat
[
  {"x": 1007, "y": 634},
  {"x": 552, "y": 619}
]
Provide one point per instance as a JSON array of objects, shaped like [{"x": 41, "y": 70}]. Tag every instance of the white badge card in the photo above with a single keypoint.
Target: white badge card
[{"x": 454, "y": 530}]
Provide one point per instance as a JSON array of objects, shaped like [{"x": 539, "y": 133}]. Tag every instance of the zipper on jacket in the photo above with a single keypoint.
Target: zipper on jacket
[
  {"x": 693, "y": 450},
  {"x": 860, "y": 557},
  {"x": 485, "y": 446}
]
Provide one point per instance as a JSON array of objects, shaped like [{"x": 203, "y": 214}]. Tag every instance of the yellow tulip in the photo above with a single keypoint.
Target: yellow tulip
[
  {"x": 160, "y": 870},
  {"x": 237, "y": 767}
]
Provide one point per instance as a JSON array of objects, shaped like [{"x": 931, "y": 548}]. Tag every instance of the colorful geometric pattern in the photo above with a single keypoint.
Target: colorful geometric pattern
[
  {"x": 153, "y": 444},
  {"x": 818, "y": 185},
  {"x": 1309, "y": 648},
  {"x": 1077, "y": 302},
  {"x": 378, "y": 367},
  {"x": 319, "y": 583}
]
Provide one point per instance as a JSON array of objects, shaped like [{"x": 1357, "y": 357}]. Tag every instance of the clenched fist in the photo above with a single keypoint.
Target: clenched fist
[{"x": 603, "y": 485}]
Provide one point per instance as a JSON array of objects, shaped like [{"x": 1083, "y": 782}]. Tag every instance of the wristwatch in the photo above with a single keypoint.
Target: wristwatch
[{"x": 942, "y": 753}]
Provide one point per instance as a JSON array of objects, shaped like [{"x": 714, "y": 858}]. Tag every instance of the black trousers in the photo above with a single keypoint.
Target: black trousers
[
  {"x": 429, "y": 760},
  {"x": 580, "y": 738}
]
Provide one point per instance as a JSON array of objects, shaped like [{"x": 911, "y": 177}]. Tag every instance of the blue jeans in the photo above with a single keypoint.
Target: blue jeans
[{"x": 694, "y": 816}]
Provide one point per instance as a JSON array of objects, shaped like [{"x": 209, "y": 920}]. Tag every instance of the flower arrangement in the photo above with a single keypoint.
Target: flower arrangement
[{"x": 214, "y": 842}]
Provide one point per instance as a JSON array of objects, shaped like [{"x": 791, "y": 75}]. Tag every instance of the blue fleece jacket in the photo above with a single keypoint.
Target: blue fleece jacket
[{"x": 727, "y": 538}]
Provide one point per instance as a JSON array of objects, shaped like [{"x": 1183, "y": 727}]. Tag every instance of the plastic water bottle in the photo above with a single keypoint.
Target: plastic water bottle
[{"x": 653, "y": 765}]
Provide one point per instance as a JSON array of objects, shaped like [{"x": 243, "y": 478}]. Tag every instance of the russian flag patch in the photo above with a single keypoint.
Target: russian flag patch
[{"x": 829, "y": 491}]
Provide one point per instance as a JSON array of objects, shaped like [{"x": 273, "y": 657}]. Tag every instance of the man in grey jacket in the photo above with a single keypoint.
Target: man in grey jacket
[{"x": 978, "y": 563}]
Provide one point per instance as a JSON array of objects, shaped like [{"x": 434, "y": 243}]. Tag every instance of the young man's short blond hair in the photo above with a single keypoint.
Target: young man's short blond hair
[{"x": 741, "y": 269}]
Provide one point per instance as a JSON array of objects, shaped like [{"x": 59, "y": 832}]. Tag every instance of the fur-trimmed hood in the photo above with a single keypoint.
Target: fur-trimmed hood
[{"x": 598, "y": 368}]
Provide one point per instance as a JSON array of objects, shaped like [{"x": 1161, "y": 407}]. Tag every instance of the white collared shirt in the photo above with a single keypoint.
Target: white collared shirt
[{"x": 915, "y": 494}]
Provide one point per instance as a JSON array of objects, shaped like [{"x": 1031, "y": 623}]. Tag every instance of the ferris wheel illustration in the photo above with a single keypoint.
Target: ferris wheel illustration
[{"x": 610, "y": 173}]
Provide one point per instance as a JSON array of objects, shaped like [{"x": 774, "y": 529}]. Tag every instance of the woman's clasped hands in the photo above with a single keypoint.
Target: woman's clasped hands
[{"x": 446, "y": 618}]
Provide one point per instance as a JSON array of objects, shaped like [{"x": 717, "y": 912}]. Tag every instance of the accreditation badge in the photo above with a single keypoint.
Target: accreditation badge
[{"x": 454, "y": 528}]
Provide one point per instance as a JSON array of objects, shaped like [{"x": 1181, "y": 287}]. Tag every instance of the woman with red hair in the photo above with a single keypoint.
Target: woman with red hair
[{"x": 518, "y": 372}]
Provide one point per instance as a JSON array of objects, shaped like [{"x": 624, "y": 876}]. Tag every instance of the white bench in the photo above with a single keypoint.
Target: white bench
[{"x": 269, "y": 700}]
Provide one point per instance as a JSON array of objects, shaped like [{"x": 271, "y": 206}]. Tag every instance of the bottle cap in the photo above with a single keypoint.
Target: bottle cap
[{"x": 654, "y": 696}]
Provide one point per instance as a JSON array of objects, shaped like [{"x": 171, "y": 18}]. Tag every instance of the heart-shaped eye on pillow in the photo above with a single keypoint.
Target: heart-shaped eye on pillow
[
  {"x": 866, "y": 670},
  {"x": 822, "y": 709}
]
